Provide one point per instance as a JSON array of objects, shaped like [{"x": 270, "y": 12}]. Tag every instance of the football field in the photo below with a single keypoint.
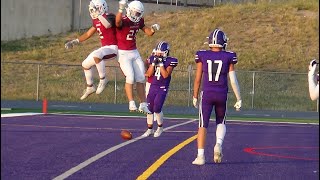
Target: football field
[{"x": 61, "y": 146}]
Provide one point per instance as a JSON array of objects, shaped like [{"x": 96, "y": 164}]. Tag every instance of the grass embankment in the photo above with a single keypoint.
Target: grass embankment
[
  {"x": 266, "y": 36},
  {"x": 280, "y": 37}
]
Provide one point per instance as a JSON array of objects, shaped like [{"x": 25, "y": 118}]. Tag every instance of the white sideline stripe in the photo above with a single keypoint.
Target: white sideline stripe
[
  {"x": 5, "y": 109},
  {"x": 19, "y": 114},
  {"x": 108, "y": 151}
]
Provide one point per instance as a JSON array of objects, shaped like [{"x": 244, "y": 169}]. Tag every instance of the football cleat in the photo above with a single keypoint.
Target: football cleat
[
  {"x": 101, "y": 86},
  {"x": 148, "y": 133},
  {"x": 87, "y": 92},
  {"x": 143, "y": 108},
  {"x": 200, "y": 160},
  {"x": 132, "y": 106},
  {"x": 158, "y": 132},
  {"x": 217, "y": 154}
]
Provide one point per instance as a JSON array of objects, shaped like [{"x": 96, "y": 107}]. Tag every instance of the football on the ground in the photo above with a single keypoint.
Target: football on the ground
[{"x": 126, "y": 135}]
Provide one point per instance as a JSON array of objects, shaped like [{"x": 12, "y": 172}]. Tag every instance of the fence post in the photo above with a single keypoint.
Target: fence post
[
  {"x": 252, "y": 92},
  {"x": 189, "y": 83},
  {"x": 115, "y": 86},
  {"x": 38, "y": 82},
  {"x": 79, "y": 23}
]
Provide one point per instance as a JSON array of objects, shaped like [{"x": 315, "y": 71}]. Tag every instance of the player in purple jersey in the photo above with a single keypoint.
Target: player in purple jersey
[
  {"x": 160, "y": 69},
  {"x": 213, "y": 67},
  {"x": 129, "y": 58},
  {"x": 313, "y": 81},
  {"x": 104, "y": 24}
]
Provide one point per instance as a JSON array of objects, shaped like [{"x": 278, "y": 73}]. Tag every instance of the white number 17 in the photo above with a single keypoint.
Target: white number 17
[{"x": 217, "y": 71}]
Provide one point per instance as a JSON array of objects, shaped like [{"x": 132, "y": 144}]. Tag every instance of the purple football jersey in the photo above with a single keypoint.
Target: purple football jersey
[
  {"x": 157, "y": 78},
  {"x": 215, "y": 68},
  {"x": 159, "y": 85}
]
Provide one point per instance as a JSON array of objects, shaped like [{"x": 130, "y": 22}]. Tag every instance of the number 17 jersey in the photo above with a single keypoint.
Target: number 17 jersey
[{"x": 215, "y": 69}]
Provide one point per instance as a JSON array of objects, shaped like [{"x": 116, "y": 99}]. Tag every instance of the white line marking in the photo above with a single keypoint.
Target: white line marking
[
  {"x": 106, "y": 152},
  {"x": 19, "y": 114},
  {"x": 6, "y": 109}
]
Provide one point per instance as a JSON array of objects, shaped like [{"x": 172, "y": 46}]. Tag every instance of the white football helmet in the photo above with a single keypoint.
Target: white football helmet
[
  {"x": 98, "y": 7},
  {"x": 135, "y": 11}
]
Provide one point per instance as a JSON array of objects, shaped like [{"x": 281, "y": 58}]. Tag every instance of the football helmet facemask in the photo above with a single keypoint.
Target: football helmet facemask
[
  {"x": 97, "y": 7},
  {"x": 162, "y": 49},
  {"x": 135, "y": 11},
  {"x": 217, "y": 38}
]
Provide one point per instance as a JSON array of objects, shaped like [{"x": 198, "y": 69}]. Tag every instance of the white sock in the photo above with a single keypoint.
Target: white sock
[
  {"x": 159, "y": 117},
  {"x": 101, "y": 68},
  {"x": 149, "y": 118},
  {"x": 88, "y": 75},
  {"x": 200, "y": 152},
  {"x": 220, "y": 133}
]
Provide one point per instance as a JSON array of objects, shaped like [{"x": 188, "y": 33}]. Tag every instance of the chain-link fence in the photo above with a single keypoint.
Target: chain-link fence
[{"x": 61, "y": 82}]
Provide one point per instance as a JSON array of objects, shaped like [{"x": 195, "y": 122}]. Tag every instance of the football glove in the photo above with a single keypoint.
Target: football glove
[
  {"x": 160, "y": 61},
  {"x": 71, "y": 43},
  {"x": 122, "y": 5},
  {"x": 155, "y": 27},
  {"x": 238, "y": 105},
  {"x": 195, "y": 102},
  {"x": 155, "y": 61}
]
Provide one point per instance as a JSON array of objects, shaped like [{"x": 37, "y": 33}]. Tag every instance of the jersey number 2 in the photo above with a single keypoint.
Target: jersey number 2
[
  {"x": 132, "y": 35},
  {"x": 100, "y": 33},
  {"x": 216, "y": 70}
]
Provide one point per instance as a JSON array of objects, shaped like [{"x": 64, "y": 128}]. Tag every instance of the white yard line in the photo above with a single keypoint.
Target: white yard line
[{"x": 106, "y": 152}]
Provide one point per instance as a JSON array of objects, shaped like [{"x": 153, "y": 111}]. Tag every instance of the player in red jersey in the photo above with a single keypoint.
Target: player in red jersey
[
  {"x": 103, "y": 23},
  {"x": 129, "y": 58}
]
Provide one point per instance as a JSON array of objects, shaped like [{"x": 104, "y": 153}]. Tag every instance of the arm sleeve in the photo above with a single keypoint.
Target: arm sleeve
[
  {"x": 104, "y": 21},
  {"x": 234, "y": 84},
  {"x": 313, "y": 87}
]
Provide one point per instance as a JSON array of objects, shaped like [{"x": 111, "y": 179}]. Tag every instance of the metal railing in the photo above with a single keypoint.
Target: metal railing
[{"x": 62, "y": 82}]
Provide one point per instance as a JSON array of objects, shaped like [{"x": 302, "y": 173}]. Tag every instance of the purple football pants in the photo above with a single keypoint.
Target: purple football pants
[
  {"x": 156, "y": 98},
  {"x": 208, "y": 100}
]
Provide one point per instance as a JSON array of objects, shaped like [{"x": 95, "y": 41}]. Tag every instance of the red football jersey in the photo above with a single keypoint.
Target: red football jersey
[
  {"x": 107, "y": 35},
  {"x": 126, "y": 35},
  {"x": 149, "y": 79}
]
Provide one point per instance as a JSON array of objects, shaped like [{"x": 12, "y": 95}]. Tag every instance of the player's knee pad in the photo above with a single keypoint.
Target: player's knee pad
[{"x": 88, "y": 63}]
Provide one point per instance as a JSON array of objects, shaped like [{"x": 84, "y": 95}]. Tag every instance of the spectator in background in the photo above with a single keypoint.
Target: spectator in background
[
  {"x": 129, "y": 58},
  {"x": 313, "y": 80},
  {"x": 103, "y": 23},
  {"x": 213, "y": 67}
]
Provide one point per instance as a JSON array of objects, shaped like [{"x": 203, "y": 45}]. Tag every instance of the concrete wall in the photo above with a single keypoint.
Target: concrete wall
[
  {"x": 82, "y": 18},
  {"x": 28, "y": 18}
]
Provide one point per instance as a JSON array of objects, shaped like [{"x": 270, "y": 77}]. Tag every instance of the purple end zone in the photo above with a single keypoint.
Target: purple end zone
[{"x": 46, "y": 146}]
